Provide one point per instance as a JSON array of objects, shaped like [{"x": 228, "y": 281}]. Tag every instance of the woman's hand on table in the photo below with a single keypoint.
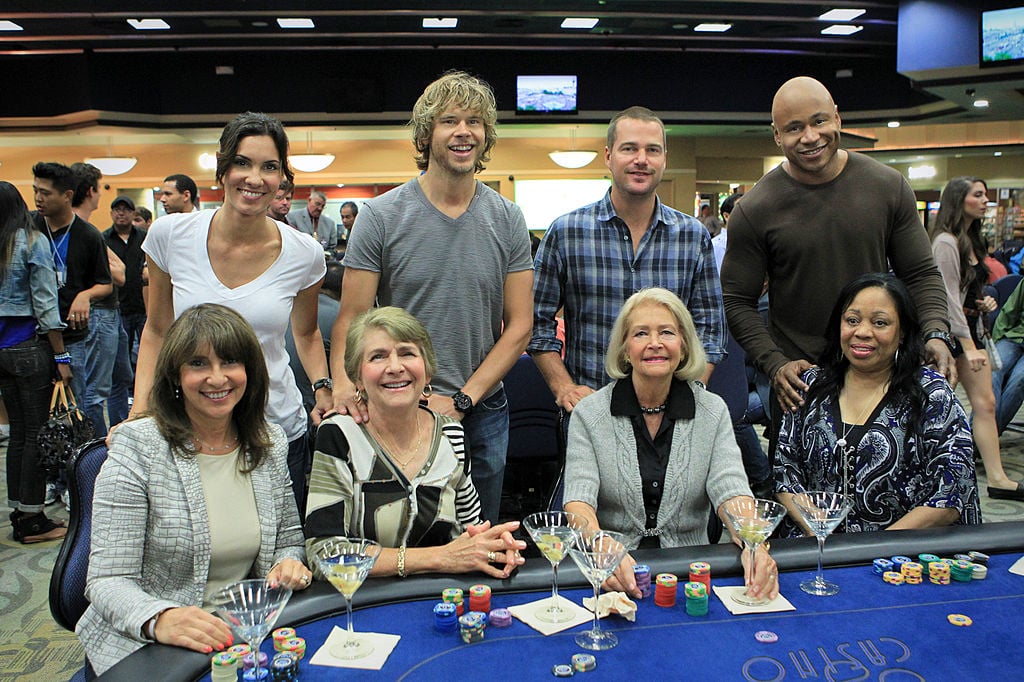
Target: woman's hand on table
[
  {"x": 624, "y": 579},
  {"x": 190, "y": 627},
  {"x": 291, "y": 574},
  {"x": 481, "y": 546},
  {"x": 763, "y": 577}
]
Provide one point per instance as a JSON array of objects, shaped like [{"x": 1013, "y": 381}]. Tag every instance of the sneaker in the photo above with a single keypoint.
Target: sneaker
[
  {"x": 51, "y": 494},
  {"x": 65, "y": 497},
  {"x": 38, "y": 528}
]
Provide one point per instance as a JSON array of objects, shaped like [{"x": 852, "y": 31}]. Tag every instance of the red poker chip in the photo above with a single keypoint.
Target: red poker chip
[{"x": 766, "y": 636}]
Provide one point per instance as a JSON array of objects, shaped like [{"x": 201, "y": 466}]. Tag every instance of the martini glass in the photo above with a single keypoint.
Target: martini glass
[
  {"x": 753, "y": 520},
  {"x": 597, "y": 554},
  {"x": 554, "y": 533},
  {"x": 251, "y": 608},
  {"x": 346, "y": 562},
  {"x": 822, "y": 511}
]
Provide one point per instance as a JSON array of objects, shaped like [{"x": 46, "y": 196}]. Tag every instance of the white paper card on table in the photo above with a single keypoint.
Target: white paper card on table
[
  {"x": 524, "y": 612},
  {"x": 383, "y": 645},
  {"x": 725, "y": 593},
  {"x": 1018, "y": 566}
]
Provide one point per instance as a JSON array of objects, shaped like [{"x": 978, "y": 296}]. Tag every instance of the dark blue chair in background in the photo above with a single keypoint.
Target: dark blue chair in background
[{"x": 67, "y": 582}]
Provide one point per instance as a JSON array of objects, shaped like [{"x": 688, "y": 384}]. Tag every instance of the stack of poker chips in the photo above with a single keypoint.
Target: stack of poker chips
[
  {"x": 471, "y": 627},
  {"x": 284, "y": 667},
  {"x": 979, "y": 571},
  {"x": 480, "y": 598},
  {"x": 961, "y": 570},
  {"x": 642, "y": 573},
  {"x": 249, "y": 661},
  {"x": 500, "y": 618},
  {"x": 926, "y": 560},
  {"x": 583, "y": 663},
  {"x": 893, "y": 577},
  {"x": 898, "y": 561},
  {"x": 453, "y": 595},
  {"x": 223, "y": 667},
  {"x": 913, "y": 573},
  {"x": 696, "y": 599},
  {"x": 978, "y": 558},
  {"x": 446, "y": 620},
  {"x": 700, "y": 572},
  {"x": 938, "y": 572},
  {"x": 881, "y": 566},
  {"x": 256, "y": 675},
  {"x": 665, "y": 590},
  {"x": 295, "y": 645},
  {"x": 240, "y": 651},
  {"x": 282, "y": 635}
]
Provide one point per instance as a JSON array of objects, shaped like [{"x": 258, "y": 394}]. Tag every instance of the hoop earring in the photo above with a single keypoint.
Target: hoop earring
[
  {"x": 427, "y": 391},
  {"x": 360, "y": 396},
  {"x": 896, "y": 358}
]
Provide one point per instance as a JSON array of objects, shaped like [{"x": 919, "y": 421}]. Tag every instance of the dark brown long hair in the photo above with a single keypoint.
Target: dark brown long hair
[
  {"x": 950, "y": 218},
  {"x": 230, "y": 337},
  {"x": 13, "y": 217}
]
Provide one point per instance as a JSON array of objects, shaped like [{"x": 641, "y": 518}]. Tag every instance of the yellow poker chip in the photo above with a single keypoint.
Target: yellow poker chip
[{"x": 959, "y": 619}]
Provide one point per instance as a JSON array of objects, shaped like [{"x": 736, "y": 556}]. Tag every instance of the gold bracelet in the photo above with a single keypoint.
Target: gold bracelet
[{"x": 401, "y": 561}]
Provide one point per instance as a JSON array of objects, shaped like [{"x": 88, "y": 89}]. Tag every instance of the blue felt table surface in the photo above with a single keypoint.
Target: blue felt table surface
[{"x": 870, "y": 630}]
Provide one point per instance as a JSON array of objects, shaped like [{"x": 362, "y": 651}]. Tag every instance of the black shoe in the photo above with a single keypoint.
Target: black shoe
[
  {"x": 1007, "y": 493},
  {"x": 15, "y": 526},
  {"x": 38, "y": 528}
]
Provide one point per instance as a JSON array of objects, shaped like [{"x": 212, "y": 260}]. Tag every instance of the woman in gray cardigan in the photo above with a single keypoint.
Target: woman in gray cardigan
[
  {"x": 191, "y": 499},
  {"x": 649, "y": 454}
]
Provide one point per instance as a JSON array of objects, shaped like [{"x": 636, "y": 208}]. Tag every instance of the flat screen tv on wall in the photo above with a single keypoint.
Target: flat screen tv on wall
[
  {"x": 546, "y": 95},
  {"x": 1002, "y": 37}
]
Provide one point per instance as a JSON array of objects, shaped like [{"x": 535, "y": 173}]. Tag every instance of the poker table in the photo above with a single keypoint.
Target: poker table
[{"x": 870, "y": 630}]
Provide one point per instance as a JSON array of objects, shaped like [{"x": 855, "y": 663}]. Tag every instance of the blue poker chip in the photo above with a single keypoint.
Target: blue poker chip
[
  {"x": 766, "y": 636},
  {"x": 562, "y": 670},
  {"x": 583, "y": 663}
]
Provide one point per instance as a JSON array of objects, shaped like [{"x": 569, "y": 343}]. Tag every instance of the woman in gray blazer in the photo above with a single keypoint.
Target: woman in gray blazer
[
  {"x": 649, "y": 454},
  {"x": 192, "y": 498}
]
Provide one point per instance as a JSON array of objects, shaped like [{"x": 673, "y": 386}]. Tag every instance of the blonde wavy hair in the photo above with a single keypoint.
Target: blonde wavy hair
[
  {"x": 454, "y": 88},
  {"x": 693, "y": 363}
]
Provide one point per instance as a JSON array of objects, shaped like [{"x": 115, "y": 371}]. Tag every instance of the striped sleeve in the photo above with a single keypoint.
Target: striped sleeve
[{"x": 467, "y": 502}]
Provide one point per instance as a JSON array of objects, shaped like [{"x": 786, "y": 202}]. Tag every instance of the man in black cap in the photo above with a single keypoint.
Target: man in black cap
[{"x": 125, "y": 240}]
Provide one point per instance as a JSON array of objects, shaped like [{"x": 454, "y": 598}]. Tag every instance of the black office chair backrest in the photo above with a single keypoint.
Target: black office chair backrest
[
  {"x": 67, "y": 582},
  {"x": 729, "y": 381},
  {"x": 1004, "y": 286},
  {"x": 533, "y": 431}
]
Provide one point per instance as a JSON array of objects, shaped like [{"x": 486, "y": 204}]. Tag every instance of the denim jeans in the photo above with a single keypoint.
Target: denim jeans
[
  {"x": 1008, "y": 382},
  {"x": 122, "y": 381},
  {"x": 487, "y": 443},
  {"x": 299, "y": 458},
  {"x": 92, "y": 361},
  {"x": 26, "y": 382},
  {"x": 755, "y": 461},
  {"x": 133, "y": 324}
]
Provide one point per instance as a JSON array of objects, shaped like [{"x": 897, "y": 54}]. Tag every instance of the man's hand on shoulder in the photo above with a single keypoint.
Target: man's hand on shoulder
[
  {"x": 937, "y": 354},
  {"x": 574, "y": 393},
  {"x": 788, "y": 385}
]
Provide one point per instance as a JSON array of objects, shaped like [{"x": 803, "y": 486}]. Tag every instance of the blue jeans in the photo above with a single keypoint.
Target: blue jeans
[
  {"x": 755, "y": 461},
  {"x": 298, "y": 459},
  {"x": 133, "y": 324},
  {"x": 1008, "y": 382},
  {"x": 487, "y": 443},
  {"x": 92, "y": 361},
  {"x": 122, "y": 381},
  {"x": 26, "y": 381}
]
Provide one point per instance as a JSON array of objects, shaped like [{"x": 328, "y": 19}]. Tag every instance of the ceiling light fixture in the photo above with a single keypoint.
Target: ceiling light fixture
[
  {"x": 208, "y": 161},
  {"x": 572, "y": 158},
  {"x": 440, "y": 22},
  {"x": 6, "y": 25},
  {"x": 712, "y": 28},
  {"x": 296, "y": 23},
  {"x": 841, "y": 30},
  {"x": 981, "y": 103},
  {"x": 579, "y": 22},
  {"x": 113, "y": 165},
  {"x": 841, "y": 14},
  {"x": 920, "y": 172},
  {"x": 893, "y": 124},
  {"x": 310, "y": 162},
  {"x": 149, "y": 24}
]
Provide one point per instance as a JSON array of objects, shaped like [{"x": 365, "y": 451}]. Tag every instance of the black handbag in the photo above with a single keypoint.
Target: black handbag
[{"x": 65, "y": 430}]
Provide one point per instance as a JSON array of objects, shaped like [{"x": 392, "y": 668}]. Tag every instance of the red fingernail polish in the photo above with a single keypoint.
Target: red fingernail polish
[{"x": 208, "y": 649}]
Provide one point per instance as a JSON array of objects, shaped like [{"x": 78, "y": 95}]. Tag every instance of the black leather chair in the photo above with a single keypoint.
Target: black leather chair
[{"x": 67, "y": 582}]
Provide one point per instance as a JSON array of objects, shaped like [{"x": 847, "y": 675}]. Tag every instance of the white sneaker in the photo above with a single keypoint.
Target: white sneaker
[
  {"x": 51, "y": 494},
  {"x": 65, "y": 497}
]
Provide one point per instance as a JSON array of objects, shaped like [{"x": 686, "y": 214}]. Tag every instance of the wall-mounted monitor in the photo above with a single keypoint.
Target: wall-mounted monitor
[
  {"x": 1002, "y": 37},
  {"x": 546, "y": 95}
]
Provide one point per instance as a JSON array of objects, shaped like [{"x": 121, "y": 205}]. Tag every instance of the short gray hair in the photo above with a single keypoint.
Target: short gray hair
[{"x": 694, "y": 361}]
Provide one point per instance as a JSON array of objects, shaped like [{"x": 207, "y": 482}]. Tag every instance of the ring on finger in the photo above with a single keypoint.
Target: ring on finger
[
  {"x": 304, "y": 580},
  {"x": 491, "y": 556}
]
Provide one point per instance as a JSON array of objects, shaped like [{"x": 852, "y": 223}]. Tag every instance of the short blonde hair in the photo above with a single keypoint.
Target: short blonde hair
[
  {"x": 399, "y": 325},
  {"x": 694, "y": 362},
  {"x": 459, "y": 89}
]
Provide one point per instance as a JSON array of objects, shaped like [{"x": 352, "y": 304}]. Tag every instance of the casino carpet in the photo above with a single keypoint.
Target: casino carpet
[{"x": 34, "y": 649}]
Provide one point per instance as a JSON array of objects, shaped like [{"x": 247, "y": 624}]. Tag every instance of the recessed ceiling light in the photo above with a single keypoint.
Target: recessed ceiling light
[
  {"x": 260, "y": 24},
  {"x": 981, "y": 103},
  {"x": 441, "y": 22},
  {"x": 893, "y": 124},
  {"x": 579, "y": 22},
  {"x": 149, "y": 24},
  {"x": 296, "y": 23},
  {"x": 840, "y": 30},
  {"x": 841, "y": 14},
  {"x": 9, "y": 26},
  {"x": 997, "y": 154},
  {"x": 712, "y": 28}
]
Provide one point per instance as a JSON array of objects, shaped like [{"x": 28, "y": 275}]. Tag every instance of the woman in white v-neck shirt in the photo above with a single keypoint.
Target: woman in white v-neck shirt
[{"x": 237, "y": 256}]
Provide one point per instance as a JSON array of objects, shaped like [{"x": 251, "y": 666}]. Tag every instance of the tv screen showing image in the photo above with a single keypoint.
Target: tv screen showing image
[
  {"x": 1002, "y": 37},
  {"x": 546, "y": 94}
]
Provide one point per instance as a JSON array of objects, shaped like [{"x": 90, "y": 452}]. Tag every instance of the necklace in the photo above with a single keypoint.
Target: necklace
[
  {"x": 846, "y": 452},
  {"x": 395, "y": 452},
  {"x": 226, "y": 447},
  {"x": 653, "y": 410}
]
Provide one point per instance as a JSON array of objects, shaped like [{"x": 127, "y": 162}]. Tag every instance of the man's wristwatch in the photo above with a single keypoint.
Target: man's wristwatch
[
  {"x": 941, "y": 336},
  {"x": 323, "y": 383},
  {"x": 463, "y": 403}
]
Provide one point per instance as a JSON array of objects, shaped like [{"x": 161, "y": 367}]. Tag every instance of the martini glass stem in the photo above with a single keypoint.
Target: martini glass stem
[
  {"x": 554, "y": 588},
  {"x": 821, "y": 550},
  {"x": 597, "y": 628},
  {"x": 351, "y": 632}
]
